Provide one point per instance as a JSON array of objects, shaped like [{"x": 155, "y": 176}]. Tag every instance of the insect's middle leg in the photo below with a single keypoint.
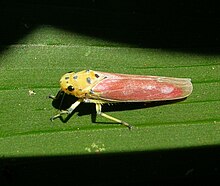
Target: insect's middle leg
[{"x": 99, "y": 112}]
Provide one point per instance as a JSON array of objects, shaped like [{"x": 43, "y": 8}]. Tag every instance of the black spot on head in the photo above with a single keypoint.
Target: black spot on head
[
  {"x": 70, "y": 88},
  {"x": 88, "y": 79},
  {"x": 88, "y": 71},
  {"x": 70, "y": 72},
  {"x": 96, "y": 75}
]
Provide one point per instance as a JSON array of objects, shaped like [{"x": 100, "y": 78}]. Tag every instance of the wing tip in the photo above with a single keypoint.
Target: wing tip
[{"x": 187, "y": 87}]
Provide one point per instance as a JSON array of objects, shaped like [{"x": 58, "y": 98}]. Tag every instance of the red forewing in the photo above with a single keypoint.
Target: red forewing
[{"x": 121, "y": 88}]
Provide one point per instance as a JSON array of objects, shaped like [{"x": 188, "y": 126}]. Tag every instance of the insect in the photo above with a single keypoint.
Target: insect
[{"x": 101, "y": 87}]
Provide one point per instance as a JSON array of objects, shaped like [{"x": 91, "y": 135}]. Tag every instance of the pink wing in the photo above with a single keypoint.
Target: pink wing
[{"x": 134, "y": 88}]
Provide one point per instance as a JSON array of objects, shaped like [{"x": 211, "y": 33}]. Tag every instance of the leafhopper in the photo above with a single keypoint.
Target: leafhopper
[{"x": 101, "y": 87}]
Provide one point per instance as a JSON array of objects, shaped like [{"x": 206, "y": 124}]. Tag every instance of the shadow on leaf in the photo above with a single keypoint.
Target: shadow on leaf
[{"x": 64, "y": 101}]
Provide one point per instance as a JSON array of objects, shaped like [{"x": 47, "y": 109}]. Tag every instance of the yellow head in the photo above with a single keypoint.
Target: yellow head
[{"x": 79, "y": 84}]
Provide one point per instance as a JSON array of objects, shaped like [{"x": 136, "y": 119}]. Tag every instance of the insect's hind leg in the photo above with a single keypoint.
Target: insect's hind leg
[{"x": 99, "y": 112}]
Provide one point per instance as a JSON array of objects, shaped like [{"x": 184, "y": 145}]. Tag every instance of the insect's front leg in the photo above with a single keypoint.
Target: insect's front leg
[
  {"x": 68, "y": 111},
  {"x": 59, "y": 94},
  {"x": 52, "y": 97},
  {"x": 99, "y": 112}
]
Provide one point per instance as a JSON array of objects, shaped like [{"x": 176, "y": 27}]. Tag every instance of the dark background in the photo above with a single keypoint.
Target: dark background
[
  {"x": 187, "y": 166},
  {"x": 193, "y": 25},
  {"x": 144, "y": 23}
]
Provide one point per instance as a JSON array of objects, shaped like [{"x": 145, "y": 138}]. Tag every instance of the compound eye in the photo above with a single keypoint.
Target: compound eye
[{"x": 70, "y": 88}]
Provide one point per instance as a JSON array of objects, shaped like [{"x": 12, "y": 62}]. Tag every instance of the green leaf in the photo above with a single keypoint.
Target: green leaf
[{"x": 38, "y": 61}]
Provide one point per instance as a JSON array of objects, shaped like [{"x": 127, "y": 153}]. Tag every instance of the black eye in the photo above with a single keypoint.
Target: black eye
[
  {"x": 75, "y": 77},
  {"x": 70, "y": 88},
  {"x": 96, "y": 75}
]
